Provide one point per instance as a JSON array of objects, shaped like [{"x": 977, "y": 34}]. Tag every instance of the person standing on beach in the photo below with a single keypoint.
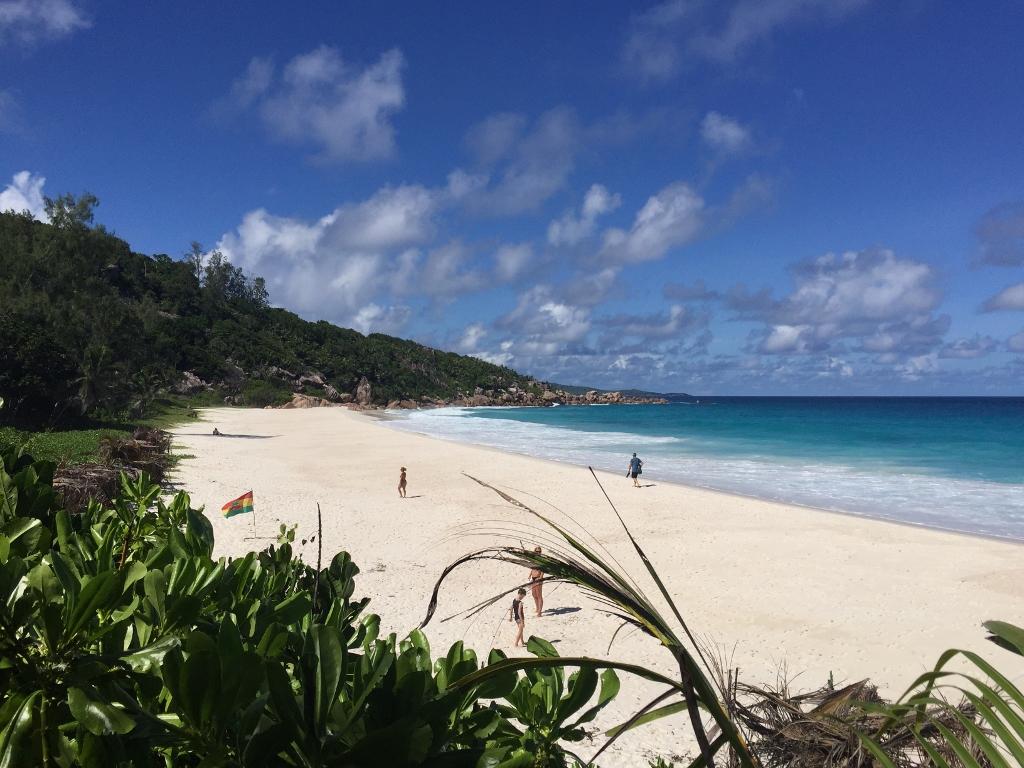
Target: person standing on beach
[
  {"x": 517, "y": 615},
  {"x": 635, "y": 469},
  {"x": 401, "y": 483},
  {"x": 537, "y": 586}
]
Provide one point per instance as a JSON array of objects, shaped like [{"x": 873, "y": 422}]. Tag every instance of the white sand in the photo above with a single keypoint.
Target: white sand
[{"x": 765, "y": 584}]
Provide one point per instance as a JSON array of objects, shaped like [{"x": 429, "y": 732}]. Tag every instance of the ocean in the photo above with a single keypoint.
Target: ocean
[{"x": 955, "y": 463}]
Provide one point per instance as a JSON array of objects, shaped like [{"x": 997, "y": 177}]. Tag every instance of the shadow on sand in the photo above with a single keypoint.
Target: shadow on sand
[{"x": 561, "y": 611}]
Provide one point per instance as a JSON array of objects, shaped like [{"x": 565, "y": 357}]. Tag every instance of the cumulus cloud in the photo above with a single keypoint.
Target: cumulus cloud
[
  {"x": 512, "y": 261},
  {"x": 571, "y": 228},
  {"x": 724, "y": 134},
  {"x": 319, "y": 99},
  {"x": 494, "y": 138},
  {"x": 25, "y": 193},
  {"x": 472, "y": 335},
  {"x": 591, "y": 287},
  {"x": 663, "y": 37},
  {"x": 347, "y": 265},
  {"x": 652, "y": 48},
  {"x": 374, "y": 318},
  {"x": 674, "y": 323},
  {"x": 1000, "y": 234},
  {"x": 544, "y": 321},
  {"x": 329, "y": 267},
  {"x": 526, "y": 164},
  {"x": 672, "y": 217},
  {"x": 444, "y": 272},
  {"x": 881, "y": 302},
  {"x": 968, "y": 348},
  {"x": 29, "y": 21},
  {"x": 1010, "y": 298},
  {"x": 919, "y": 366}
]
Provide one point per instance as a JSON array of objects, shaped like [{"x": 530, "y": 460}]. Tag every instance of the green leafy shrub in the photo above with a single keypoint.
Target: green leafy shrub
[
  {"x": 124, "y": 642},
  {"x": 259, "y": 393}
]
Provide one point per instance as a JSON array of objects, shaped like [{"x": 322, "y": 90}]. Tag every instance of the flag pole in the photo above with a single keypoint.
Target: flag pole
[{"x": 253, "y": 517}]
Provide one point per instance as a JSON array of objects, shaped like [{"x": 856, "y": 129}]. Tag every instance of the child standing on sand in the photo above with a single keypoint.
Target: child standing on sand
[
  {"x": 401, "y": 483},
  {"x": 517, "y": 615}
]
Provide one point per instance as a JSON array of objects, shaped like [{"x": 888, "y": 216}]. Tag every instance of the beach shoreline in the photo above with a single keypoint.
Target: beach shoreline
[
  {"x": 387, "y": 417},
  {"x": 769, "y": 585}
]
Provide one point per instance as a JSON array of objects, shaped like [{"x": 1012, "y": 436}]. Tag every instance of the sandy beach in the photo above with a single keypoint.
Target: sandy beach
[{"x": 771, "y": 587}]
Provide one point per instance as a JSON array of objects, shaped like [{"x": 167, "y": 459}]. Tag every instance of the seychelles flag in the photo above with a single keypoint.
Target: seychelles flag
[{"x": 240, "y": 506}]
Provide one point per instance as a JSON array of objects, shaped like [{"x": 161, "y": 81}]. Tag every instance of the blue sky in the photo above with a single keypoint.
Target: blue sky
[{"x": 770, "y": 197}]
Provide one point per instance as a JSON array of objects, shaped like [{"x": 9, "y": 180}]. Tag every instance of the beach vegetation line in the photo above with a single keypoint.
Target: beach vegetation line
[{"x": 123, "y": 641}]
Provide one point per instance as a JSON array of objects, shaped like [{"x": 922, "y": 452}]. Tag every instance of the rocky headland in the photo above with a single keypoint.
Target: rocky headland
[{"x": 312, "y": 390}]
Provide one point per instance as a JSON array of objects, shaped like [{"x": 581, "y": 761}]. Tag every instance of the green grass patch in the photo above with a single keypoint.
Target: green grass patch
[
  {"x": 68, "y": 446},
  {"x": 76, "y": 446}
]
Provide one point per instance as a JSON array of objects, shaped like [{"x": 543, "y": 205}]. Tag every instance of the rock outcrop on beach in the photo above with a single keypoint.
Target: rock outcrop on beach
[
  {"x": 306, "y": 401},
  {"x": 516, "y": 396},
  {"x": 311, "y": 389}
]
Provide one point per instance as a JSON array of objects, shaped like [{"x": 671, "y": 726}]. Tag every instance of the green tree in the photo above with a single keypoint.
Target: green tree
[{"x": 70, "y": 212}]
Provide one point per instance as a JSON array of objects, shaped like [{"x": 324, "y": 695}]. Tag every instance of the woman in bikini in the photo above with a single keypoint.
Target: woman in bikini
[
  {"x": 537, "y": 586},
  {"x": 517, "y": 615}
]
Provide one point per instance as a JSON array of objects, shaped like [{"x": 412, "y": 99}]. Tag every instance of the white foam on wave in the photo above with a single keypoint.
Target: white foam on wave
[{"x": 967, "y": 506}]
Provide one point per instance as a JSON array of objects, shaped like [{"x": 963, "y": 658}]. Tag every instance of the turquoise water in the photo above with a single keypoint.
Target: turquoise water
[{"x": 954, "y": 463}]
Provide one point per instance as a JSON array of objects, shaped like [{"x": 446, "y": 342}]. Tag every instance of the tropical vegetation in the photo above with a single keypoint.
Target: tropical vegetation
[
  {"x": 90, "y": 328},
  {"x": 126, "y": 642}
]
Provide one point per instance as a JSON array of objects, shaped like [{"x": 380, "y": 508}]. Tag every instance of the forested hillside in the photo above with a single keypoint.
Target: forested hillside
[{"x": 88, "y": 327}]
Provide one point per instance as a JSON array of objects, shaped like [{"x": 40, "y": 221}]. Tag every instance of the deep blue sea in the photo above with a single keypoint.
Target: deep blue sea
[{"x": 954, "y": 462}]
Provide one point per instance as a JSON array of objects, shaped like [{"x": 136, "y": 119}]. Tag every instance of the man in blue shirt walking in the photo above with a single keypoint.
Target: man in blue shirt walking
[{"x": 635, "y": 469}]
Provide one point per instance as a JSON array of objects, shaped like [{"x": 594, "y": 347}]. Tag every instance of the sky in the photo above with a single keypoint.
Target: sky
[{"x": 735, "y": 197}]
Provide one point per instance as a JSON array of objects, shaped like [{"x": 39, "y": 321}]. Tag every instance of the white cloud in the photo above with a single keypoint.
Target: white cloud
[
  {"x": 347, "y": 265},
  {"x": 544, "y": 321},
  {"x": 329, "y": 267},
  {"x": 591, "y": 287},
  {"x": 968, "y": 349},
  {"x": 252, "y": 84},
  {"x": 919, "y": 366},
  {"x": 512, "y": 261},
  {"x": 345, "y": 111},
  {"x": 652, "y": 48},
  {"x": 32, "y": 20},
  {"x": 753, "y": 21},
  {"x": 471, "y": 337},
  {"x": 445, "y": 272},
  {"x": 661, "y": 38},
  {"x": 873, "y": 297},
  {"x": 529, "y": 166},
  {"x": 1010, "y": 298},
  {"x": 393, "y": 216},
  {"x": 374, "y": 318},
  {"x": 724, "y": 133},
  {"x": 1016, "y": 342},
  {"x": 24, "y": 193},
  {"x": 572, "y": 229},
  {"x": 493, "y": 138},
  {"x": 785, "y": 338},
  {"x": 666, "y": 325},
  {"x": 672, "y": 217},
  {"x": 836, "y": 366}
]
